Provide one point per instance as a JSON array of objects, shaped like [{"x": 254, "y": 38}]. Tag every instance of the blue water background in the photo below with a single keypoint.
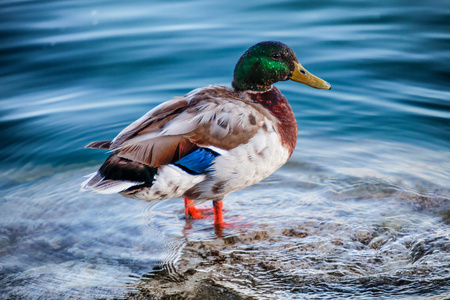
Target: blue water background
[{"x": 73, "y": 72}]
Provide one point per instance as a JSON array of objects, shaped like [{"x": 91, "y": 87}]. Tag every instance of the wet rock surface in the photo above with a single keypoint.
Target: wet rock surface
[{"x": 321, "y": 259}]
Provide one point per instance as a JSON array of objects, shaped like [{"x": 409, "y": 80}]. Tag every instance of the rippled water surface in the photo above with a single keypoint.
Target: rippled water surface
[{"x": 361, "y": 210}]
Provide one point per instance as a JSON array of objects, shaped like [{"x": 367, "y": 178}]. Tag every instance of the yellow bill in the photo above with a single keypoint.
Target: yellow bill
[{"x": 301, "y": 75}]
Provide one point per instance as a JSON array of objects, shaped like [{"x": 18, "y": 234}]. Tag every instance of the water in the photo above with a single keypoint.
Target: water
[{"x": 360, "y": 211}]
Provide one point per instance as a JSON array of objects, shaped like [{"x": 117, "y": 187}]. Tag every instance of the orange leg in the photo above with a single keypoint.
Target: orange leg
[
  {"x": 201, "y": 213},
  {"x": 218, "y": 215}
]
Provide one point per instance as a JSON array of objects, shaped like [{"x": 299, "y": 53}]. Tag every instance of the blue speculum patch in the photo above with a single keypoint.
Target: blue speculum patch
[{"x": 198, "y": 161}]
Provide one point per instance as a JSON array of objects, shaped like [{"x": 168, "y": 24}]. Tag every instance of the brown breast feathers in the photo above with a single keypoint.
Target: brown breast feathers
[{"x": 279, "y": 107}]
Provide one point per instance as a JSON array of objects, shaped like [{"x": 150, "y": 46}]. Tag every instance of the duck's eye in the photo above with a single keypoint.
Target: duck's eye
[{"x": 276, "y": 56}]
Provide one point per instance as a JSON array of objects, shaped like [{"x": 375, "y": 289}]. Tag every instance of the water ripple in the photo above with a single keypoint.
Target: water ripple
[{"x": 360, "y": 211}]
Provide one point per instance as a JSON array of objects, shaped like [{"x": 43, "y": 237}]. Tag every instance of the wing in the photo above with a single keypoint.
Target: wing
[{"x": 213, "y": 117}]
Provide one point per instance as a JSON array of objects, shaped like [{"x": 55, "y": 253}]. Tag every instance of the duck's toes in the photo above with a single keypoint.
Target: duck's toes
[{"x": 195, "y": 213}]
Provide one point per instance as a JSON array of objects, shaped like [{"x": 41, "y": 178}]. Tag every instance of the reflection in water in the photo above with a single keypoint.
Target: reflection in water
[{"x": 360, "y": 211}]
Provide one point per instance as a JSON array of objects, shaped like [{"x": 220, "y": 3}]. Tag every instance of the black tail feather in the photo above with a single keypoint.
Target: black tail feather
[{"x": 118, "y": 168}]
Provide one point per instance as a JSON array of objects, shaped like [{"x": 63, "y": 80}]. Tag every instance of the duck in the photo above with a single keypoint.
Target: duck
[{"x": 211, "y": 142}]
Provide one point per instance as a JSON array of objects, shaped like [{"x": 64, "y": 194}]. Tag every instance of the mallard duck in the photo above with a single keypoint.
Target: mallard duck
[{"x": 211, "y": 142}]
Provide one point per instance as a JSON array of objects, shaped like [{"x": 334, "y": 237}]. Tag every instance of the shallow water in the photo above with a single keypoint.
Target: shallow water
[{"x": 360, "y": 211}]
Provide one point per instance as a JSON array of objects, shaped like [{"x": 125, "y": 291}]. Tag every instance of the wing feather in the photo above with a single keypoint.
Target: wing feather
[
  {"x": 99, "y": 145},
  {"x": 151, "y": 122},
  {"x": 157, "y": 151},
  {"x": 214, "y": 116}
]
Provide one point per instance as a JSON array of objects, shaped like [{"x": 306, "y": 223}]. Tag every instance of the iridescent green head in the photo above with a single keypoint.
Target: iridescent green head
[{"x": 268, "y": 62}]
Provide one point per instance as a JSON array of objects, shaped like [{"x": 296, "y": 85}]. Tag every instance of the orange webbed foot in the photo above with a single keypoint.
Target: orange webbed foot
[
  {"x": 195, "y": 213},
  {"x": 205, "y": 213}
]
